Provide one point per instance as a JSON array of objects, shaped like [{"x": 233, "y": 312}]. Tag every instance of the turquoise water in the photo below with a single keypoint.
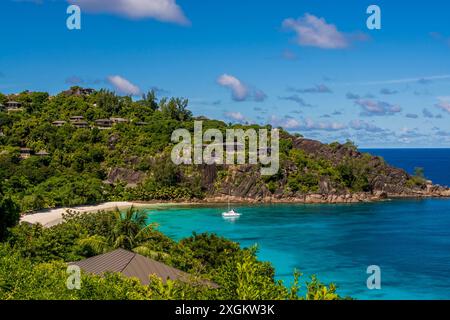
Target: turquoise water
[{"x": 408, "y": 239}]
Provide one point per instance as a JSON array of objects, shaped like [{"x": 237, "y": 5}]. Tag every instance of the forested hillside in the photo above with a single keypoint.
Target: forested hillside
[{"x": 84, "y": 146}]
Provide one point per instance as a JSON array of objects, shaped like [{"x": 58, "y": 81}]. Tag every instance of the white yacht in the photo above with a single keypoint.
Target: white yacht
[{"x": 230, "y": 213}]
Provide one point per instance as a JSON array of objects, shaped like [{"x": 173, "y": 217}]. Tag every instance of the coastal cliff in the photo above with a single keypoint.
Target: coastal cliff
[
  {"x": 310, "y": 172},
  {"x": 381, "y": 180}
]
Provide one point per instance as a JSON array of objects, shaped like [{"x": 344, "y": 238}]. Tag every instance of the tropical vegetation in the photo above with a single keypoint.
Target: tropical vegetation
[{"x": 33, "y": 263}]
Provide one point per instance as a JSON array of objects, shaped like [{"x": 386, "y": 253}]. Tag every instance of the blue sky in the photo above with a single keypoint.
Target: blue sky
[{"x": 310, "y": 66}]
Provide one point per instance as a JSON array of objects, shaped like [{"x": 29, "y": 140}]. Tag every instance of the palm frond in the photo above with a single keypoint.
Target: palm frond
[{"x": 96, "y": 243}]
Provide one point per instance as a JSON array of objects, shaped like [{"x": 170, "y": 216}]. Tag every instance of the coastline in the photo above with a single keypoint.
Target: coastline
[{"x": 52, "y": 217}]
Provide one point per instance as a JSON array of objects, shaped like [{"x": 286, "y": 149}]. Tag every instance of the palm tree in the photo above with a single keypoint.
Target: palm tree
[{"x": 129, "y": 229}]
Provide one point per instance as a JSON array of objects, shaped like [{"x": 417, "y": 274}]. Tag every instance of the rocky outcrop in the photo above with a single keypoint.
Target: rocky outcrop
[
  {"x": 308, "y": 198},
  {"x": 130, "y": 177},
  {"x": 243, "y": 183}
]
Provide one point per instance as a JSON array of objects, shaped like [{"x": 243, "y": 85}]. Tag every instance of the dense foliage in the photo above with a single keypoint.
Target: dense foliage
[
  {"x": 9, "y": 215},
  {"x": 33, "y": 263},
  {"x": 79, "y": 159},
  {"x": 83, "y": 165}
]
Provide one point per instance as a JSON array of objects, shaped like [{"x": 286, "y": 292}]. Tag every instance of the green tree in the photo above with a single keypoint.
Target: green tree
[
  {"x": 128, "y": 230},
  {"x": 9, "y": 215},
  {"x": 150, "y": 100}
]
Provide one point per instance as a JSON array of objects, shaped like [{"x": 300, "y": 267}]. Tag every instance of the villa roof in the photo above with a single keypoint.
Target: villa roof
[
  {"x": 131, "y": 264},
  {"x": 119, "y": 119},
  {"x": 80, "y": 123}
]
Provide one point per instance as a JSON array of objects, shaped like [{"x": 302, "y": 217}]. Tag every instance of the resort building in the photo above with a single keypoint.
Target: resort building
[
  {"x": 80, "y": 124},
  {"x": 76, "y": 118},
  {"x": 59, "y": 123},
  {"x": 87, "y": 91},
  {"x": 108, "y": 123},
  {"x": 25, "y": 153},
  {"x": 119, "y": 120},
  {"x": 42, "y": 153},
  {"x": 12, "y": 106},
  {"x": 133, "y": 265},
  {"x": 104, "y": 123},
  {"x": 78, "y": 91}
]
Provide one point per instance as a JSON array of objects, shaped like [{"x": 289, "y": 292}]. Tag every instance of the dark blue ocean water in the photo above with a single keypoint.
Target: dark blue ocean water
[
  {"x": 408, "y": 239},
  {"x": 436, "y": 162}
]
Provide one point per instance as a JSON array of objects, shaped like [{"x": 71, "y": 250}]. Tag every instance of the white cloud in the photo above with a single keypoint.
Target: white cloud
[
  {"x": 444, "y": 104},
  {"x": 239, "y": 90},
  {"x": 366, "y": 126},
  {"x": 327, "y": 126},
  {"x": 297, "y": 100},
  {"x": 236, "y": 116},
  {"x": 319, "y": 88},
  {"x": 162, "y": 10},
  {"x": 316, "y": 32},
  {"x": 306, "y": 124},
  {"x": 377, "y": 108},
  {"x": 290, "y": 124},
  {"x": 123, "y": 86}
]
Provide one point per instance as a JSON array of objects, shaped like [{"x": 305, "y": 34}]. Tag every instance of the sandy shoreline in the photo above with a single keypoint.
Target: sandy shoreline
[{"x": 51, "y": 217}]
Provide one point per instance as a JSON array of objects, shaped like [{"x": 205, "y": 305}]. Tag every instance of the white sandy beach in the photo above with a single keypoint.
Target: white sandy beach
[{"x": 51, "y": 217}]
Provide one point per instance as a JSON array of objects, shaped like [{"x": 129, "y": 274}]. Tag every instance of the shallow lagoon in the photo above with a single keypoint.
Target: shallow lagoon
[{"x": 409, "y": 239}]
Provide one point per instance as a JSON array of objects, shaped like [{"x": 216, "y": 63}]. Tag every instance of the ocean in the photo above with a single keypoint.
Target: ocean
[
  {"x": 408, "y": 239},
  {"x": 436, "y": 162}
]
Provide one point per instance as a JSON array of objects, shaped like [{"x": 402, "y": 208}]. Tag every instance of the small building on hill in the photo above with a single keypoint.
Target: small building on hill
[
  {"x": 13, "y": 106},
  {"x": 78, "y": 91},
  {"x": 42, "y": 153},
  {"x": 25, "y": 153},
  {"x": 104, "y": 123},
  {"x": 76, "y": 118},
  {"x": 59, "y": 123},
  {"x": 133, "y": 265},
  {"x": 119, "y": 120},
  {"x": 80, "y": 124}
]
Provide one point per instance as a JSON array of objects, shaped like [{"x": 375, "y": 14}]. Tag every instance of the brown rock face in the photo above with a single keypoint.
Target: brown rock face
[
  {"x": 245, "y": 182},
  {"x": 129, "y": 176}
]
